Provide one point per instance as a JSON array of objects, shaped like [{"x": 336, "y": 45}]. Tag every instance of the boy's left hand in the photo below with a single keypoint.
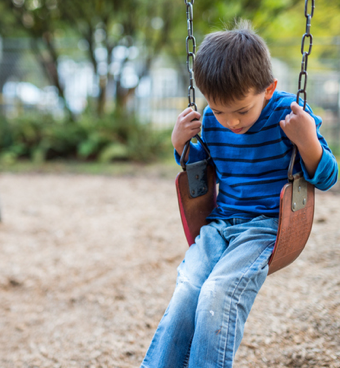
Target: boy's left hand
[{"x": 300, "y": 128}]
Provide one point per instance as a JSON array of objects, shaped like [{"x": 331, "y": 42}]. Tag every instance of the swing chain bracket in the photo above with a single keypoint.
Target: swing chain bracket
[
  {"x": 299, "y": 193},
  {"x": 197, "y": 178},
  {"x": 196, "y": 171}
]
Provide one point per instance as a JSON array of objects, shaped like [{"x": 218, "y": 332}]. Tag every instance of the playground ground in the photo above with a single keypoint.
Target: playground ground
[{"x": 88, "y": 266}]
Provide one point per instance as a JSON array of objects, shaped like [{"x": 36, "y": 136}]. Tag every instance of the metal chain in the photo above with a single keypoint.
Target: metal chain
[
  {"x": 191, "y": 51},
  {"x": 305, "y": 54},
  {"x": 303, "y": 76}
]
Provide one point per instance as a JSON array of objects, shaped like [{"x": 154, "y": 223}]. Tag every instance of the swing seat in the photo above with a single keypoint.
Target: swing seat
[
  {"x": 295, "y": 216},
  {"x": 194, "y": 211},
  {"x": 294, "y": 226}
]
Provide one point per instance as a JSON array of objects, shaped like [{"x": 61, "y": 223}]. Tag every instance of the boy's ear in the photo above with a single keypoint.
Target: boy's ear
[{"x": 270, "y": 90}]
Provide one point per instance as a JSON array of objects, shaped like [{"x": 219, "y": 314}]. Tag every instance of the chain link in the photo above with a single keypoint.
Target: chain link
[
  {"x": 303, "y": 76},
  {"x": 191, "y": 52}
]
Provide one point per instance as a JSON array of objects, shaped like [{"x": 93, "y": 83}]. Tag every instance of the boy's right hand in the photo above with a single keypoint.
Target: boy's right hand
[{"x": 187, "y": 126}]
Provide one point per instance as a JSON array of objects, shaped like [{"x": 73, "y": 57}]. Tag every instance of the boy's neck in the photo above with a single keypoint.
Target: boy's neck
[{"x": 265, "y": 103}]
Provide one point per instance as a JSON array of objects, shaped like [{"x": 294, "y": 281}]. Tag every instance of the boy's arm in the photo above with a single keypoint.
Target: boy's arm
[{"x": 318, "y": 161}]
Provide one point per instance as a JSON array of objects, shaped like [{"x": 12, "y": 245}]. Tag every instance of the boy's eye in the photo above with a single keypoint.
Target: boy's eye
[{"x": 243, "y": 112}]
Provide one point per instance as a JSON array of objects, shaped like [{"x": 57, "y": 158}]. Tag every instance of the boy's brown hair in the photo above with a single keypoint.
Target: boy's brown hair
[{"x": 229, "y": 63}]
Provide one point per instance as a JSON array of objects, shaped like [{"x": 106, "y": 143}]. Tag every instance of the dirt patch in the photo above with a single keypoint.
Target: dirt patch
[{"x": 88, "y": 266}]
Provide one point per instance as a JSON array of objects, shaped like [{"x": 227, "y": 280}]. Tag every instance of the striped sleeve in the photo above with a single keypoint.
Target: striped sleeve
[{"x": 326, "y": 174}]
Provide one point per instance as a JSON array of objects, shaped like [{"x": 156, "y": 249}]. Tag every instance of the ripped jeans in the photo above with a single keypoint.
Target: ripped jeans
[{"x": 217, "y": 283}]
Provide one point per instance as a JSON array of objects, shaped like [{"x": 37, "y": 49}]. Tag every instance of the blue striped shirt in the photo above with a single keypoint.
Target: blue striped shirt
[{"x": 252, "y": 167}]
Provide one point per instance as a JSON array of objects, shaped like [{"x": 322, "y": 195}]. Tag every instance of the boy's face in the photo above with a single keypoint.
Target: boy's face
[{"x": 240, "y": 115}]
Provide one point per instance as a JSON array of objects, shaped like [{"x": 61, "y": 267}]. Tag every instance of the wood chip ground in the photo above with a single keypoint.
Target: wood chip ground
[{"x": 88, "y": 266}]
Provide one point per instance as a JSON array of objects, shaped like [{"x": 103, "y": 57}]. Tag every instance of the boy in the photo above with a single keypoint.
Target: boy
[{"x": 249, "y": 128}]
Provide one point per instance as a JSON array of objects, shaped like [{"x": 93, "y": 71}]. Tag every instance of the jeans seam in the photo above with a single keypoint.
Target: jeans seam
[
  {"x": 187, "y": 357},
  {"x": 227, "y": 333},
  {"x": 237, "y": 302}
]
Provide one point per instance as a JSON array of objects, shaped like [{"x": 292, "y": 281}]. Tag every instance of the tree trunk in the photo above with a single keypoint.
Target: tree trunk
[
  {"x": 102, "y": 95},
  {"x": 50, "y": 69}
]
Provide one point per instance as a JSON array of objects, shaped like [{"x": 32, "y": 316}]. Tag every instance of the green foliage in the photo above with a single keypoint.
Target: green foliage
[
  {"x": 102, "y": 24},
  {"x": 118, "y": 136},
  {"x": 121, "y": 136}
]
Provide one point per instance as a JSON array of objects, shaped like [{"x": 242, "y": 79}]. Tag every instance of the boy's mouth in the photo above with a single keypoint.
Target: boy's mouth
[{"x": 237, "y": 130}]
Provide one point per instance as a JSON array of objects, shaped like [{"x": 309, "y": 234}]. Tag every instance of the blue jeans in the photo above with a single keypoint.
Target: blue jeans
[{"x": 217, "y": 283}]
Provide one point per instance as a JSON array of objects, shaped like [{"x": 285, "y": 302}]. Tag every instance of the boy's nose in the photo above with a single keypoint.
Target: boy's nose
[{"x": 233, "y": 123}]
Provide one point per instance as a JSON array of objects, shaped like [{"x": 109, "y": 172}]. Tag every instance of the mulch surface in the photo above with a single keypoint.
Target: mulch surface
[{"x": 88, "y": 266}]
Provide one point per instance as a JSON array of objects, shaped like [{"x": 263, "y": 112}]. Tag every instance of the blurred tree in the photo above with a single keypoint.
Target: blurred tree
[
  {"x": 280, "y": 22},
  {"x": 116, "y": 33},
  {"x": 38, "y": 20},
  {"x": 285, "y": 30},
  {"x": 5, "y": 59},
  {"x": 134, "y": 26},
  {"x": 214, "y": 15},
  {"x": 131, "y": 28}
]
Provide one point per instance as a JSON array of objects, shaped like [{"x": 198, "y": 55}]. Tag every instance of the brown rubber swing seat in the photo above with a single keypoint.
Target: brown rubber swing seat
[{"x": 295, "y": 216}]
